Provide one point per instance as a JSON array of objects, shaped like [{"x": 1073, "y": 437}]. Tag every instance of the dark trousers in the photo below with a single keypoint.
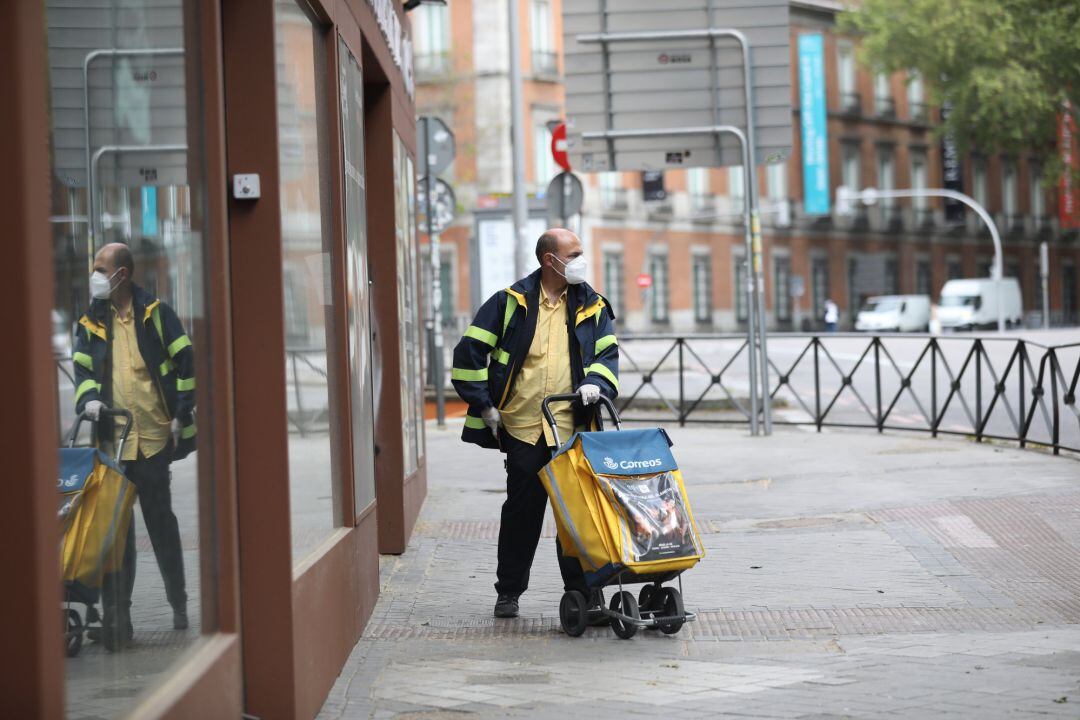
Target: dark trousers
[
  {"x": 523, "y": 519},
  {"x": 152, "y": 480}
]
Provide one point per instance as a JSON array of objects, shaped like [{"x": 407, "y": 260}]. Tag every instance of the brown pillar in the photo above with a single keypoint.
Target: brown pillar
[{"x": 32, "y": 668}]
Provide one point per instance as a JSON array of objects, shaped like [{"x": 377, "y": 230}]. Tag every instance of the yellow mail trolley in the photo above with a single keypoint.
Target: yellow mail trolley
[{"x": 622, "y": 510}]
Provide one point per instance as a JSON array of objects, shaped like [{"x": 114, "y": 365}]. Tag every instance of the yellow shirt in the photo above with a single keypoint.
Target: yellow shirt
[
  {"x": 546, "y": 371},
  {"x": 133, "y": 389}
]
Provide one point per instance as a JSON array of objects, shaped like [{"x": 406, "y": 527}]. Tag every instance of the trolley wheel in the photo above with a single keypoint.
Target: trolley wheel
[
  {"x": 624, "y": 602},
  {"x": 73, "y": 632},
  {"x": 573, "y": 613},
  {"x": 648, "y": 597},
  {"x": 671, "y": 605}
]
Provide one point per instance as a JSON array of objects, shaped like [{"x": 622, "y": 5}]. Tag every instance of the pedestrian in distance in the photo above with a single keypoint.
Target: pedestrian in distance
[
  {"x": 832, "y": 316},
  {"x": 548, "y": 333},
  {"x": 132, "y": 353}
]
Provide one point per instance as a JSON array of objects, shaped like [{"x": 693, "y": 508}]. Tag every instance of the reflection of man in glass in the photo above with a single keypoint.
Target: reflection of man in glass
[{"x": 132, "y": 353}]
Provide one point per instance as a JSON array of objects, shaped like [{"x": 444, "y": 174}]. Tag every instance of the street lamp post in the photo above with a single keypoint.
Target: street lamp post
[{"x": 845, "y": 196}]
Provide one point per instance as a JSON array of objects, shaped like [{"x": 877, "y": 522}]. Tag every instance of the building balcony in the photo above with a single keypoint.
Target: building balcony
[
  {"x": 614, "y": 200},
  {"x": 431, "y": 65},
  {"x": 545, "y": 64},
  {"x": 884, "y": 107},
  {"x": 923, "y": 217},
  {"x": 850, "y": 103},
  {"x": 919, "y": 112}
]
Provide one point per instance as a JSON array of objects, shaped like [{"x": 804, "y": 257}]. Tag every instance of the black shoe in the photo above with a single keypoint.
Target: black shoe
[
  {"x": 180, "y": 619},
  {"x": 506, "y": 606}
]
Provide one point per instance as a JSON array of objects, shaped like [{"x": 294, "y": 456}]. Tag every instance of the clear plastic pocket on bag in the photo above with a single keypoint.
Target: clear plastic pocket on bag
[{"x": 658, "y": 523}]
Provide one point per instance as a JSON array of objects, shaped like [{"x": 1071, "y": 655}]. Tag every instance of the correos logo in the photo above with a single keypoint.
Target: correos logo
[{"x": 610, "y": 464}]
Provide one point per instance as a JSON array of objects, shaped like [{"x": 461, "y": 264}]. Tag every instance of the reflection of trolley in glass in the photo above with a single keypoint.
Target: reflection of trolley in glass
[
  {"x": 621, "y": 508},
  {"x": 95, "y": 510}
]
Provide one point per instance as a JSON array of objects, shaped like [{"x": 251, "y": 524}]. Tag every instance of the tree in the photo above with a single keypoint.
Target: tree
[{"x": 1005, "y": 67}]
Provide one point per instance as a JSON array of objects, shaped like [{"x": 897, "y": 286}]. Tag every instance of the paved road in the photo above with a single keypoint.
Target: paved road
[{"x": 849, "y": 574}]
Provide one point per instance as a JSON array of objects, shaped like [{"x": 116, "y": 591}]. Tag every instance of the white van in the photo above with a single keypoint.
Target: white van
[
  {"x": 894, "y": 313},
  {"x": 970, "y": 304}
]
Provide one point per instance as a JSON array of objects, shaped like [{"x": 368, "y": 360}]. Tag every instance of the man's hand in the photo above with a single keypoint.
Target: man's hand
[
  {"x": 589, "y": 393},
  {"x": 93, "y": 409},
  {"x": 492, "y": 419}
]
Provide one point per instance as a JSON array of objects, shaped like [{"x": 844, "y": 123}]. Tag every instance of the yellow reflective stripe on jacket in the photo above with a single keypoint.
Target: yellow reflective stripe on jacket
[
  {"x": 501, "y": 356},
  {"x": 85, "y": 360},
  {"x": 179, "y": 344},
  {"x": 474, "y": 422},
  {"x": 488, "y": 338},
  {"x": 513, "y": 299},
  {"x": 165, "y": 368},
  {"x": 85, "y": 387},
  {"x": 187, "y": 432},
  {"x": 605, "y": 342},
  {"x": 153, "y": 313},
  {"x": 602, "y": 370},
  {"x": 587, "y": 312},
  {"x": 469, "y": 375},
  {"x": 185, "y": 384},
  {"x": 92, "y": 328}
]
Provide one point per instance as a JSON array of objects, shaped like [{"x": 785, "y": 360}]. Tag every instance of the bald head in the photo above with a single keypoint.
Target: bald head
[
  {"x": 113, "y": 257},
  {"x": 556, "y": 241}
]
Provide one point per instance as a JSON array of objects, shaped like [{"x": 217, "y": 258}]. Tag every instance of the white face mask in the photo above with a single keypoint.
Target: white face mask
[
  {"x": 100, "y": 286},
  {"x": 573, "y": 271}
]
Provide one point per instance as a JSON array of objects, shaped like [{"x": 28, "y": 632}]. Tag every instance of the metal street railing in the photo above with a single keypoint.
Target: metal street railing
[{"x": 997, "y": 388}]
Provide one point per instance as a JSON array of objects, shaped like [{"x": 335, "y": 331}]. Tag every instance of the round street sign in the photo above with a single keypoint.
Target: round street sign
[
  {"x": 644, "y": 280},
  {"x": 435, "y": 145},
  {"x": 564, "y": 196},
  {"x": 445, "y": 205},
  {"x": 558, "y": 146}
]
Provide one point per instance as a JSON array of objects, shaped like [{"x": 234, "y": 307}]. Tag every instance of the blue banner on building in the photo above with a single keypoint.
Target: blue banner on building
[
  {"x": 149, "y": 211},
  {"x": 815, "y": 145}
]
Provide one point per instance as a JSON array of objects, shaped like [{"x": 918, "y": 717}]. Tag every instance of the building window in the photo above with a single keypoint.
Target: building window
[
  {"x": 658, "y": 297},
  {"x": 702, "y": 287},
  {"x": 612, "y": 194},
  {"x": 544, "y": 167},
  {"x": 446, "y": 282},
  {"x": 1036, "y": 198},
  {"x": 1068, "y": 294},
  {"x": 923, "y": 278},
  {"x": 916, "y": 96},
  {"x": 544, "y": 59},
  {"x": 886, "y": 179},
  {"x": 845, "y": 69},
  {"x": 978, "y": 181},
  {"x": 850, "y": 169},
  {"x": 919, "y": 203},
  {"x": 776, "y": 181},
  {"x": 697, "y": 187},
  {"x": 891, "y": 282},
  {"x": 953, "y": 269},
  {"x": 736, "y": 188},
  {"x": 741, "y": 314},
  {"x": 614, "y": 280},
  {"x": 782, "y": 289},
  {"x": 819, "y": 285},
  {"x": 431, "y": 34},
  {"x": 1008, "y": 193},
  {"x": 884, "y": 105}
]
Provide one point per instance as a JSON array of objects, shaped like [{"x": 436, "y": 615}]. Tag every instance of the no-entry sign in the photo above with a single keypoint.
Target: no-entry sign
[
  {"x": 644, "y": 280},
  {"x": 558, "y": 146}
]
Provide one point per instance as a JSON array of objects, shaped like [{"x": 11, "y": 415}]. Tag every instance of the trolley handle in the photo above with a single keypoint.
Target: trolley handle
[
  {"x": 106, "y": 412},
  {"x": 573, "y": 397}
]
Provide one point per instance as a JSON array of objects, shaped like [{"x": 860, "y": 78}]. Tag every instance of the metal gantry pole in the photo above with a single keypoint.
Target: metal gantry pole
[
  {"x": 612, "y": 135},
  {"x": 517, "y": 134}
]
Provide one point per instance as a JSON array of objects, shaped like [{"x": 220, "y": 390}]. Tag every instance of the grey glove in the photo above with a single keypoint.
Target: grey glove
[
  {"x": 93, "y": 409},
  {"x": 492, "y": 419},
  {"x": 176, "y": 428},
  {"x": 589, "y": 393}
]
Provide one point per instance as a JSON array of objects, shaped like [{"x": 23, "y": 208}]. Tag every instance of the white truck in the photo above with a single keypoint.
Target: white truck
[
  {"x": 972, "y": 304},
  {"x": 894, "y": 313}
]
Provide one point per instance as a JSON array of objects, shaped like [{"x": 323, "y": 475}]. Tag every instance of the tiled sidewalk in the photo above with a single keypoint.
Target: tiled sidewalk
[{"x": 848, "y": 574}]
